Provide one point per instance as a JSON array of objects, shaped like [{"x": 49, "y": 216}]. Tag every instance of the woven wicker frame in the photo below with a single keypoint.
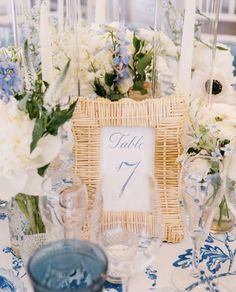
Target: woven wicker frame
[{"x": 166, "y": 116}]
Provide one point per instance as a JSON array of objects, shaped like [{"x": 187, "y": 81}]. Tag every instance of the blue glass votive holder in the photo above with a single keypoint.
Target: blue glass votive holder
[{"x": 68, "y": 265}]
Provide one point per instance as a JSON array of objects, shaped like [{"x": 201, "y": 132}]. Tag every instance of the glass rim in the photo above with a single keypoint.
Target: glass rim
[
  {"x": 100, "y": 280},
  {"x": 47, "y": 189}
]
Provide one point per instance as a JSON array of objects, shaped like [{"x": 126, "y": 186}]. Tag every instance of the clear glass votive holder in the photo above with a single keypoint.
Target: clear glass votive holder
[{"x": 68, "y": 265}]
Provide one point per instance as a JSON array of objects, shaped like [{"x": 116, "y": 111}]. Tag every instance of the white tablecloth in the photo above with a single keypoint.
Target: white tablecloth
[{"x": 216, "y": 259}]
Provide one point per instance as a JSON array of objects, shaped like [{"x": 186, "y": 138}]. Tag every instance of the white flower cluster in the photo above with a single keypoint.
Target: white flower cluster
[
  {"x": 65, "y": 48},
  {"x": 223, "y": 77},
  {"x": 96, "y": 55},
  {"x": 18, "y": 166},
  {"x": 211, "y": 138},
  {"x": 220, "y": 120}
]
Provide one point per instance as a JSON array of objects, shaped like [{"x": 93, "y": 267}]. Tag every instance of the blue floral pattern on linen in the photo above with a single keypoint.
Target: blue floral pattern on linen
[
  {"x": 5, "y": 284},
  {"x": 213, "y": 256},
  {"x": 217, "y": 255},
  {"x": 113, "y": 287},
  {"x": 17, "y": 263},
  {"x": 150, "y": 272},
  {"x": 3, "y": 216},
  {"x": 152, "y": 275}
]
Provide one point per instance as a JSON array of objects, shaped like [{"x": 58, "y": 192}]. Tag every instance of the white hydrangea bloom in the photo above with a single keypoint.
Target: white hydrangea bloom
[{"x": 18, "y": 167}]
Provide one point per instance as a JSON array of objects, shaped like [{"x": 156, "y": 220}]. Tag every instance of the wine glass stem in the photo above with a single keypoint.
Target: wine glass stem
[
  {"x": 195, "y": 262},
  {"x": 125, "y": 281}
]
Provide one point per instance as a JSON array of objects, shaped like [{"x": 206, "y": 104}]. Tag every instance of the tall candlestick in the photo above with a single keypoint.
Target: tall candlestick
[
  {"x": 100, "y": 12},
  {"x": 185, "y": 62},
  {"x": 14, "y": 23},
  {"x": 60, "y": 14},
  {"x": 45, "y": 43}
]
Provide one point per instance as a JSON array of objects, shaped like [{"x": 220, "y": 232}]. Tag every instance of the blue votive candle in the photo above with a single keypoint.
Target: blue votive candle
[{"x": 68, "y": 265}]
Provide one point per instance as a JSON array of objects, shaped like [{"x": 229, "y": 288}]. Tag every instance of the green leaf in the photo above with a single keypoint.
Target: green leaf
[
  {"x": 203, "y": 130},
  {"x": 58, "y": 117},
  {"x": 43, "y": 169},
  {"x": 20, "y": 199},
  {"x": 38, "y": 131},
  {"x": 109, "y": 79},
  {"x": 99, "y": 89},
  {"x": 215, "y": 167},
  {"x": 225, "y": 142},
  {"x": 136, "y": 43},
  {"x": 222, "y": 48},
  {"x": 143, "y": 63},
  {"x": 115, "y": 96},
  {"x": 22, "y": 104},
  {"x": 193, "y": 151}
]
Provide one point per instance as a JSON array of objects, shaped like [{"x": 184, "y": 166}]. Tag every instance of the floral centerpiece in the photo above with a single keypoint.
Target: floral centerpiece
[
  {"x": 31, "y": 116},
  {"x": 211, "y": 137},
  {"x": 115, "y": 60}
]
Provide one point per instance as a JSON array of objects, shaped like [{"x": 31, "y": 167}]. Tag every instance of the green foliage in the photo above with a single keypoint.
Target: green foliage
[
  {"x": 43, "y": 169},
  {"x": 142, "y": 61},
  {"x": 136, "y": 43},
  {"x": 109, "y": 79},
  {"x": 193, "y": 151},
  {"x": 99, "y": 89},
  {"x": 29, "y": 206}
]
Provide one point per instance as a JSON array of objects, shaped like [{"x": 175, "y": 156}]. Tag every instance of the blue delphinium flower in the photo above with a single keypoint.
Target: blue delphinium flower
[
  {"x": 120, "y": 57},
  {"x": 10, "y": 82}
]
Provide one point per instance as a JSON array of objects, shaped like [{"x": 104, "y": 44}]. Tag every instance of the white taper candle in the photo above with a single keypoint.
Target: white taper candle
[
  {"x": 186, "y": 58},
  {"x": 100, "y": 12},
  {"x": 45, "y": 44}
]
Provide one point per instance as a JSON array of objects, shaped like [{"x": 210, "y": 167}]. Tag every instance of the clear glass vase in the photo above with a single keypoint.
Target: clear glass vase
[
  {"x": 24, "y": 222},
  {"x": 223, "y": 220}
]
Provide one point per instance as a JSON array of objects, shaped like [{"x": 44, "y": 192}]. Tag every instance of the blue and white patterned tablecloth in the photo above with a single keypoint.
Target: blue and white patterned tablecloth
[{"x": 216, "y": 259}]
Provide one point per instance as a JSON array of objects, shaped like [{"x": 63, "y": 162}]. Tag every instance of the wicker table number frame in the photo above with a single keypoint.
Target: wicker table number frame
[{"x": 166, "y": 115}]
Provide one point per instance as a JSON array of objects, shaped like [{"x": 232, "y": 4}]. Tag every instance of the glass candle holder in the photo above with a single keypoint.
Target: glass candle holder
[
  {"x": 68, "y": 265},
  {"x": 64, "y": 206}
]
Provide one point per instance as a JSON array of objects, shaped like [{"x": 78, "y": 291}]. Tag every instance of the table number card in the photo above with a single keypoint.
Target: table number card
[{"x": 126, "y": 153}]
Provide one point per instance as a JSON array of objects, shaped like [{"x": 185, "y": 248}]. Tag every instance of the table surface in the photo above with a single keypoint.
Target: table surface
[{"x": 216, "y": 259}]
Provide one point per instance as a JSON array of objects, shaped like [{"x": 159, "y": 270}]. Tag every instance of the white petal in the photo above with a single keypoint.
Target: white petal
[
  {"x": 33, "y": 184},
  {"x": 9, "y": 187},
  {"x": 47, "y": 149}
]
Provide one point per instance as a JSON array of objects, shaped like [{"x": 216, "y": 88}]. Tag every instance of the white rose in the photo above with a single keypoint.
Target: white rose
[{"x": 125, "y": 85}]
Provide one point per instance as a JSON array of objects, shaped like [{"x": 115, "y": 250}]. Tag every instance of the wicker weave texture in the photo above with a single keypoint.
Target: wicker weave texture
[{"x": 165, "y": 115}]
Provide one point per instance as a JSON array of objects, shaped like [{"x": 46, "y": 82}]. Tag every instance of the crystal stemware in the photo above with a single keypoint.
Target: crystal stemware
[
  {"x": 230, "y": 183},
  {"x": 64, "y": 206},
  {"x": 201, "y": 194},
  {"x": 130, "y": 237}
]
